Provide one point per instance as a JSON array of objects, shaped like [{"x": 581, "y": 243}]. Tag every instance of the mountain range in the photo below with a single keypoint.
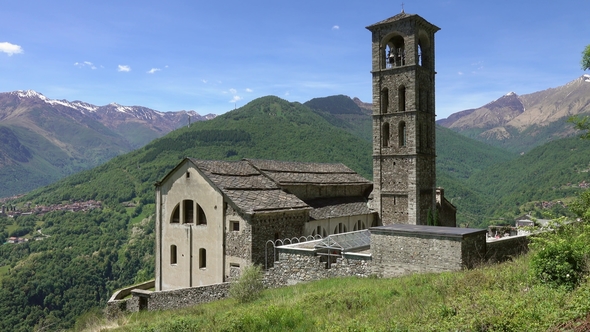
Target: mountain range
[
  {"x": 519, "y": 123},
  {"x": 43, "y": 140}
]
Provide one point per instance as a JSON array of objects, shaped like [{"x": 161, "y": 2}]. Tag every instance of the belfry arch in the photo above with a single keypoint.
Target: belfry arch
[{"x": 394, "y": 51}]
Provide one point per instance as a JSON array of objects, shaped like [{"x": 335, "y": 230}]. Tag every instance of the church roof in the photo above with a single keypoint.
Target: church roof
[
  {"x": 247, "y": 187},
  {"x": 254, "y": 185},
  {"x": 334, "y": 207},
  {"x": 401, "y": 16},
  {"x": 299, "y": 173}
]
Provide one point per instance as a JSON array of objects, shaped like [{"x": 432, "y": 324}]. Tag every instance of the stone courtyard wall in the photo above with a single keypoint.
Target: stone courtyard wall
[
  {"x": 499, "y": 250},
  {"x": 302, "y": 266},
  {"x": 169, "y": 299}
]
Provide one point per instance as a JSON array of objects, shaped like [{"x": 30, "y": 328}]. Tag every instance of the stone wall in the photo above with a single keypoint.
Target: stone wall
[
  {"x": 170, "y": 299},
  {"x": 499, "y": 250},
  {"x": 302, "y": 266},
  {"x": 273, "y": 226},
  {"x": 405, "y": 249}
]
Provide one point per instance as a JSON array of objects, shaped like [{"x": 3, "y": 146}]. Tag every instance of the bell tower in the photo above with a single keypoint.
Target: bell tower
[{"x": 404, "y": 151}]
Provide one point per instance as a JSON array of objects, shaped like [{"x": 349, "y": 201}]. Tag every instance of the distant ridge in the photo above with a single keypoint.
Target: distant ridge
[
  {"x": 520, "y": 123},
  {"x": 43, "y": 139}
]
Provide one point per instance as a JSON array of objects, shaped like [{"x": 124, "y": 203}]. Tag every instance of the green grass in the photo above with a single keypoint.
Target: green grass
[{"x": 490, "y": 298}]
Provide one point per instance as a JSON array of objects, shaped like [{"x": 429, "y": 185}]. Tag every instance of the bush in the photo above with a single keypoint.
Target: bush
[
  {"x": 560, "y": 257},
  {"x": 248, "y": 287}
]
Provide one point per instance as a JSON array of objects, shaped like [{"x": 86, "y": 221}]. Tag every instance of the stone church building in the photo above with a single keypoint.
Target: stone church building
[{"x": 215, "y": 217}]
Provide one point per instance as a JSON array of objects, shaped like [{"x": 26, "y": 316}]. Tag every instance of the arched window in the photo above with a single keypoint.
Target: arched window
[
  {"x": 173, "y": 255},
  {"x": 341, "y": 228},
  {"x": 359, "y": 225},
  {"x": 423, "y": 49},
  {"x": 175, "y": 214},
  {"x": 202, "y": 258},
  {"x": 201, "y": 218},
  {"x": 401, "y": 98},
  {"x": 319, "y": 231},
  {"x": 188, "y": 212},
  {"x": 385, "y": 134},
  {"x": 402, "y": 134},
  {"x": 384, "y": 100},
  {"x": 395, "y": 52}
]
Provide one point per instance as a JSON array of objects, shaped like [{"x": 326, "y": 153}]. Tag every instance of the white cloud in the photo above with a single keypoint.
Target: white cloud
[
  {"x": 233, "y": 91},
  {"x": 124, "y": 68},
  {"x": 153, "y": 70},
  {"x": 204, "y": 81},
  {"x": 235, "y": 99},
  {"x": 336, "y": 27},
  {"x": 287, "y": 93},
  {"x": 10, "y": 49},
  {"x": 85, "y": 64},
  {"x": 460, "y": 73},
  {"x": 249, "y": 90}
]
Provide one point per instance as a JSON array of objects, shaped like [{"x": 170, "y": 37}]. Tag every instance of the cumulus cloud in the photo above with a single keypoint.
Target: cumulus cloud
[
  {"x": 235, "y": 96},
  {"x": 336, "y": 27},
  {"x": 85, "y": 64},
  {"x": 10, "y": 49},
  {"x": 249, "y": 90},
  {"x": 153, "y": 70},
  {"x": 124, "y": 68}
]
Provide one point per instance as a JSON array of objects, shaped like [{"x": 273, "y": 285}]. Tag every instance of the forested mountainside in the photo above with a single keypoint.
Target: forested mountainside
[{"x": 43, "y": 140}]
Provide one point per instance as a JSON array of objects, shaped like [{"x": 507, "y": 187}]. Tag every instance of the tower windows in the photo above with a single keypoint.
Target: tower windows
[
  {"x": 401, "y": 96},
  {"x": 402, "y": 134},
  {"x": 395, "y": 52},
  {"x": 385, "y": 134},
  {"x": 423, "y": 49},
  {"x": 384, "y": 100}
]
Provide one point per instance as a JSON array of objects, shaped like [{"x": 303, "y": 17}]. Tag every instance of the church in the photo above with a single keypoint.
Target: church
[{"x": 215, "y": 217}]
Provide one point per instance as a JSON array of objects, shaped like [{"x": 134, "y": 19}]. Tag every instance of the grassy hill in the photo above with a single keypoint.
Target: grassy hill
[{"x": 491, "y": 298}]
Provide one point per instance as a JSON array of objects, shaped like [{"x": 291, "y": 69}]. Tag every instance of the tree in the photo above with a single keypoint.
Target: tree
[{"x": 586, "y": 58}]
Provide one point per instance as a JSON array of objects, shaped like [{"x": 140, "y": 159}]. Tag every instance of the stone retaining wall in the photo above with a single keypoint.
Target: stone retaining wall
[
  {"x": 296, "y": 267},
  {"x": 499, "y": 250},
  {"x": 164, "y": 300}
]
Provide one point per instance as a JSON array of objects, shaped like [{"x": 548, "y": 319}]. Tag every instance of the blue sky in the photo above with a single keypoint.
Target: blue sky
[{"x": 210, "y": 56}]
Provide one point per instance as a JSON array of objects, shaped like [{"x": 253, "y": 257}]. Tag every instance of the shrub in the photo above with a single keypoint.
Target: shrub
[
  {"x": 560, "y": 257},
  {"x": 248, "y": 287}
]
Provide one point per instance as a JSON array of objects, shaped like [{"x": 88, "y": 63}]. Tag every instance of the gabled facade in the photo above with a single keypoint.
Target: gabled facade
[{"x": 215, "y": 217}]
